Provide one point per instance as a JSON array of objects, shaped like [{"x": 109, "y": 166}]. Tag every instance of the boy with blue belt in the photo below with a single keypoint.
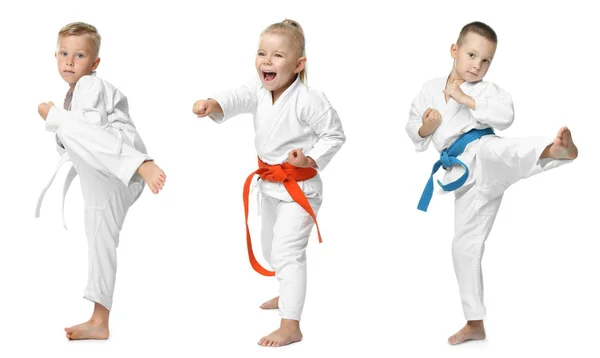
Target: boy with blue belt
[{"x": 459, "y": 114}]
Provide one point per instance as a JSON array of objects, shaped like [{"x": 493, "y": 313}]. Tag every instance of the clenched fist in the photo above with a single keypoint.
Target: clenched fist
[
  {"x": 204, "y": 107},
  {"x": 298, "y": 159},
  {"x": 454, "y": 91},
  {"x": 44, "y": 108},
  {"x": 431, "y": 121}
]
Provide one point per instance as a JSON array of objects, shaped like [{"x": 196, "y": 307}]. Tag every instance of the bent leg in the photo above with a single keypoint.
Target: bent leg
[{"x": 99, "y": 148}]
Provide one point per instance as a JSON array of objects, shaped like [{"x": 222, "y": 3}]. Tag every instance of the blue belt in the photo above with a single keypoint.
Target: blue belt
[{"x": 448, "y": 158}]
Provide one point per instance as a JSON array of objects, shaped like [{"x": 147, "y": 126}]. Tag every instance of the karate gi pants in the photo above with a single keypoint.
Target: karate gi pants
[
  {"x": 498, "y": 163},
  {"x": 110, "y": 186},
  {"x": 286, "y": 227}
]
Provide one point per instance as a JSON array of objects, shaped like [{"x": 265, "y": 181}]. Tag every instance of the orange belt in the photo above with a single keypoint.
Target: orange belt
[{"x": 288, "y": 175}]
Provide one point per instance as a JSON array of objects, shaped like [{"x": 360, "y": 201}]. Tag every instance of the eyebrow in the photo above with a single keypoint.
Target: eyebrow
[
  {"x": 276, "y": 51},
  {"x": 77, "y": 50}
]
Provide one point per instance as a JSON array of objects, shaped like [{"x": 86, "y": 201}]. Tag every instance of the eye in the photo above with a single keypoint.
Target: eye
[
  {"x": 278, "y": 55},
  {"x": 486, "y": 61},
  {"x": 63, "y": 53},
  {"x": 80, "y": 55},
  {"x": 471, "y": 55},
  {"x": 260, "y": 53}
]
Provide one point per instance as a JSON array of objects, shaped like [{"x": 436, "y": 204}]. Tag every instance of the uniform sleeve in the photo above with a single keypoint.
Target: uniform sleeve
[
  {"x": 494, "y": 108},
  {"x": 237, "y": 101},
  {"x": 328, "y": 127},
  {"x": 55, "y": 117},
  {"x": 88, "y": 105},
  {"x": 417, "y": 108}
]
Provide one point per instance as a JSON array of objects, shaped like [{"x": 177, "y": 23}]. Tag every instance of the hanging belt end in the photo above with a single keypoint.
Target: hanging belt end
[{"x": 424, "y": 202}]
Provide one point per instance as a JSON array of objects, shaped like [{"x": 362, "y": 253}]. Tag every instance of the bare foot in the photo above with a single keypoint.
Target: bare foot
[
  {"x": 95, "y": 328},
  {"x": 88, "y": 330},
  {"x": 152, "y": 175},
  {"x": 562, "y": 147},
  {"x": 288, "y": 332},
  {"x": 271, "y": 304},
  {"x": 472, "y": 331}
]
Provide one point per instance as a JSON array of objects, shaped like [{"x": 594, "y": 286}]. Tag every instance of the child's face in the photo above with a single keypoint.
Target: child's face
[
  {"x": 76, "y": 58},
  {"x": 278, "y": 62},
  {"x": 473, "y": 57}
]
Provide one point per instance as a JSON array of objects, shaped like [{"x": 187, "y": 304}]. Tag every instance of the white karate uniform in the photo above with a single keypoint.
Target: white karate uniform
[
  {"x": 99, "y": 138},
  {"x": 494, "y": 164},
  {"x": 301, "y": 118}
]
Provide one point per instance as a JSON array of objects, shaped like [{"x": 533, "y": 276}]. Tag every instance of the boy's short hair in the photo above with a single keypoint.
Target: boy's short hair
[
  {"x": 79, "y": 29},
  {"x": 480, "y": 29}
]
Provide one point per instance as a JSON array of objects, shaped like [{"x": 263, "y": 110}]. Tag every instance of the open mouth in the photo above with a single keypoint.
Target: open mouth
[{"x": 269, "y": 76}]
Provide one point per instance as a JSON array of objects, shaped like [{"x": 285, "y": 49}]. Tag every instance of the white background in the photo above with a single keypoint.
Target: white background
[{"x": 382, "y": 283}]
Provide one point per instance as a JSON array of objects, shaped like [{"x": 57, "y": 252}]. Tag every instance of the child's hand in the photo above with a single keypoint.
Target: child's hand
[
  {"x": 453, "y": 91},
  {"x": 201, "y": 108},
  {"x": 204, "y": 107},
  {"x": 431, "y": 121},
  {"x": 298, "y": 159},
  {"x": 44, "y": 108}
]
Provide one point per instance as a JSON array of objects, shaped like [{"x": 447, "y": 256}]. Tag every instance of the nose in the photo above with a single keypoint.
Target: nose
[
  {"x": 267, "y": 60},
  {"x": 69, "y": 61}
]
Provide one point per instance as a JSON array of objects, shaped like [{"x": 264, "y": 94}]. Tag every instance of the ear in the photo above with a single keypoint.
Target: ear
[
  {"x": 96, "y": 63},
  {"x": 454, "y": 51},
  {"x": 300, "y": 64},
  {"x": 56, "y": 55}
]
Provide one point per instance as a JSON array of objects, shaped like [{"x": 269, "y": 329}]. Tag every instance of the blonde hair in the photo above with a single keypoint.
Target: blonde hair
[
  {"x": 292, "y": 29},
  {"x": 79, "y": 29}
]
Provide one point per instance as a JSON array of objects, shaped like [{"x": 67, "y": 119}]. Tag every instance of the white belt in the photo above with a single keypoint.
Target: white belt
[
  {"x": 73, "y": 173},
  {"x": 68, "y": 180}
]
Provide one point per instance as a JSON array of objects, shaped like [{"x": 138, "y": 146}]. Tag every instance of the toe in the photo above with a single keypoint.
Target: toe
[{"x": 454, "y": 339}]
